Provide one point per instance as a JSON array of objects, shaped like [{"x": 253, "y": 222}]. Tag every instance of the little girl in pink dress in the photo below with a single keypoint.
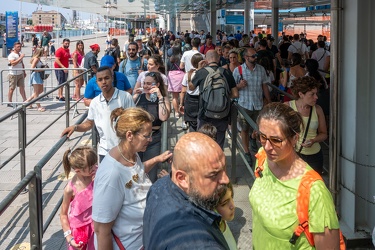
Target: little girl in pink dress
[{"x": 76, "y": 209}]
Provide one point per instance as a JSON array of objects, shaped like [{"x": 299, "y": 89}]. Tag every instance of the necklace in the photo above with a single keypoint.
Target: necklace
[{"x": 126, "y": 159}]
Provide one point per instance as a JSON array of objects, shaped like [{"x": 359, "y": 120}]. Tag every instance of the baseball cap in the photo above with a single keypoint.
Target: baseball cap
[
  {"x": 95, "y": 46},
  {"x": 107, "y": 61}
]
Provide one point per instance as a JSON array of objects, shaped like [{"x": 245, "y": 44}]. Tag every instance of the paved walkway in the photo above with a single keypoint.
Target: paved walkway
[{"x": 14, "y": 225}]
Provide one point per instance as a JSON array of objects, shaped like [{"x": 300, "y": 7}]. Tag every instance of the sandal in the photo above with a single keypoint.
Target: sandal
[
  {"x": 41, "y": 109},
  {"x": 30, "y": 107}
]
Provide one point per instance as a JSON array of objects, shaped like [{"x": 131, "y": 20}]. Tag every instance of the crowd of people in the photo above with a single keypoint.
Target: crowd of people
[{"x": 131, "y": 204}]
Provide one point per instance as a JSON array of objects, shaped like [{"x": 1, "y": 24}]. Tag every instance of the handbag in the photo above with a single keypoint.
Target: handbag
[
  {"x": 45, "y": 73},
  {"x": 118, "y": 241},
  {"x": 175, "y": 78},
  {"x": 306, "y": 130}
]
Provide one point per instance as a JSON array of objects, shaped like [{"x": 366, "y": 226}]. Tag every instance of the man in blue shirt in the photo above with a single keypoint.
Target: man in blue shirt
[
  {"x": 179, "y": 208},
  {"x": 132, "y": 65},
  {"x": 120, "y": 81}
]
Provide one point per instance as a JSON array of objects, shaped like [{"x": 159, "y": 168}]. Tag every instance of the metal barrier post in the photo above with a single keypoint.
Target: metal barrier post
[
  {"x": 67, "y": 102},
  {"x": 94, "y": 138},
  {"x": 22, "y": 139},
  {"x": 36, "y": 211},
  {"x": 233, "y": 173}
]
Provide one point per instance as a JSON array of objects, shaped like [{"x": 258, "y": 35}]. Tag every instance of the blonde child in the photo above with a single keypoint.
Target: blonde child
[
  {"x": 226, "y": 209},
  {"x": 76, "y": 209}
]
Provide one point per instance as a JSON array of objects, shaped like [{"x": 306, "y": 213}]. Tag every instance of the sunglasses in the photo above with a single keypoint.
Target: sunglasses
[
  {"x": 152, "y": 74},
  {"x": 275, "y": 141},
  {"x": 253, "y": 56},
  {"x": 131, "y": 49}
]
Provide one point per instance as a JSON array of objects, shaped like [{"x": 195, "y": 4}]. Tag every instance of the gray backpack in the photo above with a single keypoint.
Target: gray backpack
[{"x": 215, "y": 96}]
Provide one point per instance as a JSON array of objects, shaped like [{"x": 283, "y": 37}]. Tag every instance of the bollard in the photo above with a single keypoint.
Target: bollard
[{"x": 4, "y": 50}]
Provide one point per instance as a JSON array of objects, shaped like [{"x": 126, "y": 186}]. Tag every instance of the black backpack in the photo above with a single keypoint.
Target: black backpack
[{"x": 215, "y": 96}]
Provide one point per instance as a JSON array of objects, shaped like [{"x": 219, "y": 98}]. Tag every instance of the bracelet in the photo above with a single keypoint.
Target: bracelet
[
  {"x": 66, "y": 233},
  {"x": 70, "y": 241},
  {"x": 75, "y": 128},
  {"x": 161, "y": 102}
]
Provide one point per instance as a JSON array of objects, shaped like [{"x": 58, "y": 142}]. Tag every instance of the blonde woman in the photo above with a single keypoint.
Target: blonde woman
[{"x": 35, "y": 78}]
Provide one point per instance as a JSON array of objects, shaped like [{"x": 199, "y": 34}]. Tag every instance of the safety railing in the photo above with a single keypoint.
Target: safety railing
[{"x": 33, "y": 179}]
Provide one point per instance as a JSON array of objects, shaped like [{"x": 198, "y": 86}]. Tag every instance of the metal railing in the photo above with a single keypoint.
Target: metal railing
[{"x": 33, "y": 179}]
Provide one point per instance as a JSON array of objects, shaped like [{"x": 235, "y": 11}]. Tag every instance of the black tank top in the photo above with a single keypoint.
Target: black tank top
[{"x": 151, "y": 107}]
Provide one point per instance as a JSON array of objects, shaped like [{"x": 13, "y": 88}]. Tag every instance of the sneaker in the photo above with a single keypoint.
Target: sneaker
[
  {"x": 62, "y": 99},
  {"x": 57, "y": 98},
  {"x": 184, "y": 126},
  {"x": 9, "y": 105},
  {"x": 249, "y": 159},
  {"x": 253, "y": 144}
]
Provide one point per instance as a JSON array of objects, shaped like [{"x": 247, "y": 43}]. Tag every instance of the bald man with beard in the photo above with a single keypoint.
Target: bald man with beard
[{"x": 179, "y": 212}]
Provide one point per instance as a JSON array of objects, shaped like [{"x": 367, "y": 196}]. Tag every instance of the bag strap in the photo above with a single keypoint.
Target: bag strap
[
  {"x": 306, "y": 130},
  {"x": 322, "y": 56},
  {"x": 261, "y": 157},
  {"x": 118, "y": 241},
  {"x": 240, "y": 71},
  {"x": 303, "y": 201},
  {"x": 124, "y": 65},
  {"x": 177, "y": 66}
]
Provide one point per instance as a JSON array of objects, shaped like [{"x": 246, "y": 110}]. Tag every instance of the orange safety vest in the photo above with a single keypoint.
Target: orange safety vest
[{"x": 303, "y": 200}]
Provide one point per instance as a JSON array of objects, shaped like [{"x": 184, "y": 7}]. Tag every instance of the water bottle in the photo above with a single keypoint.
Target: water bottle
[{"x": 154, "y": 95}]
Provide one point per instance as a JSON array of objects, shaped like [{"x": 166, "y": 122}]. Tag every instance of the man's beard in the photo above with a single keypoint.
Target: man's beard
[{"x": 208, "y": 203}]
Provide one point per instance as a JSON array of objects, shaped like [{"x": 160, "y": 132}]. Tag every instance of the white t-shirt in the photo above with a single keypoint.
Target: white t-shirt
[
  {"x": 114, "y": 200},
  {"x": 186, "y": 84},
  {"x": 13, "y": 69},
  {"x": 142, "y": 76},
  {"x": 100, "y": 112},
  {"x": 298, "y": 46},
  {"x": 186, "y": 59},
  {"x": 229, "y": 237},
  {"x": 320, "y": 55}
]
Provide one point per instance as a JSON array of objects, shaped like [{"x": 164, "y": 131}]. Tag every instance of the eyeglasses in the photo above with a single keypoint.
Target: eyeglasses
[
  {"x": 275, "y": 141},
  {"x": 147, "y": 137}
]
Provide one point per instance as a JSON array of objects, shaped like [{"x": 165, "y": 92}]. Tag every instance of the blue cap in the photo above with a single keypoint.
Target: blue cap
[{"x": 108, "y": 61}]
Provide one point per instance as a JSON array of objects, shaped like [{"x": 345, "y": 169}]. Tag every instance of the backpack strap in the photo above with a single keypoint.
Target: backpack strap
[
  {"x": 124, "y": 65},
  {"x": 303, "y": 201},
  {"x": 261, "y": 156}
]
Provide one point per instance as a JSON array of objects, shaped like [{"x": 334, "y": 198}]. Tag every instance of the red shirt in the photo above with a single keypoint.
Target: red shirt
[
  {"x": 63, "y": 55},
  {"x": 204, "y": 48}
]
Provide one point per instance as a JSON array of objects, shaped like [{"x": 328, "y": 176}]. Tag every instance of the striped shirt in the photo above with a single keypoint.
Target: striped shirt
[{"x": 251, "y": 97}]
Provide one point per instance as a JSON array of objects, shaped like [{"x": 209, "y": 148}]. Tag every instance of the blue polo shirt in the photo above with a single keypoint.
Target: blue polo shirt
[
  {"x": 92, "y": 88},
  {"x": 171, "y": 221}
]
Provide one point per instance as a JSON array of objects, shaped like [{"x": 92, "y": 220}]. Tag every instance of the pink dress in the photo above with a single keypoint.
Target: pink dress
[{"x": 80, "y": 213}]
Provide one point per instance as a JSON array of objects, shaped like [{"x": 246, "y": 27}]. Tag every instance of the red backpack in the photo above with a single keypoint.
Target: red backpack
[{"x": 303, "y": 200}]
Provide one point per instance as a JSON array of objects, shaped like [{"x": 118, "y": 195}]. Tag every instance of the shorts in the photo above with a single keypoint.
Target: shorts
[
  {"x": 61, "y": 76},
  {"x": 16, "y": 81},
  {"x": 46, "y": 48},
  {"x": 253, "y": 115}
]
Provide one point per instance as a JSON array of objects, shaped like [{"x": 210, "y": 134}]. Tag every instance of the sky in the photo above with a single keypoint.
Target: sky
[{"x": 29, "y": 8}]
